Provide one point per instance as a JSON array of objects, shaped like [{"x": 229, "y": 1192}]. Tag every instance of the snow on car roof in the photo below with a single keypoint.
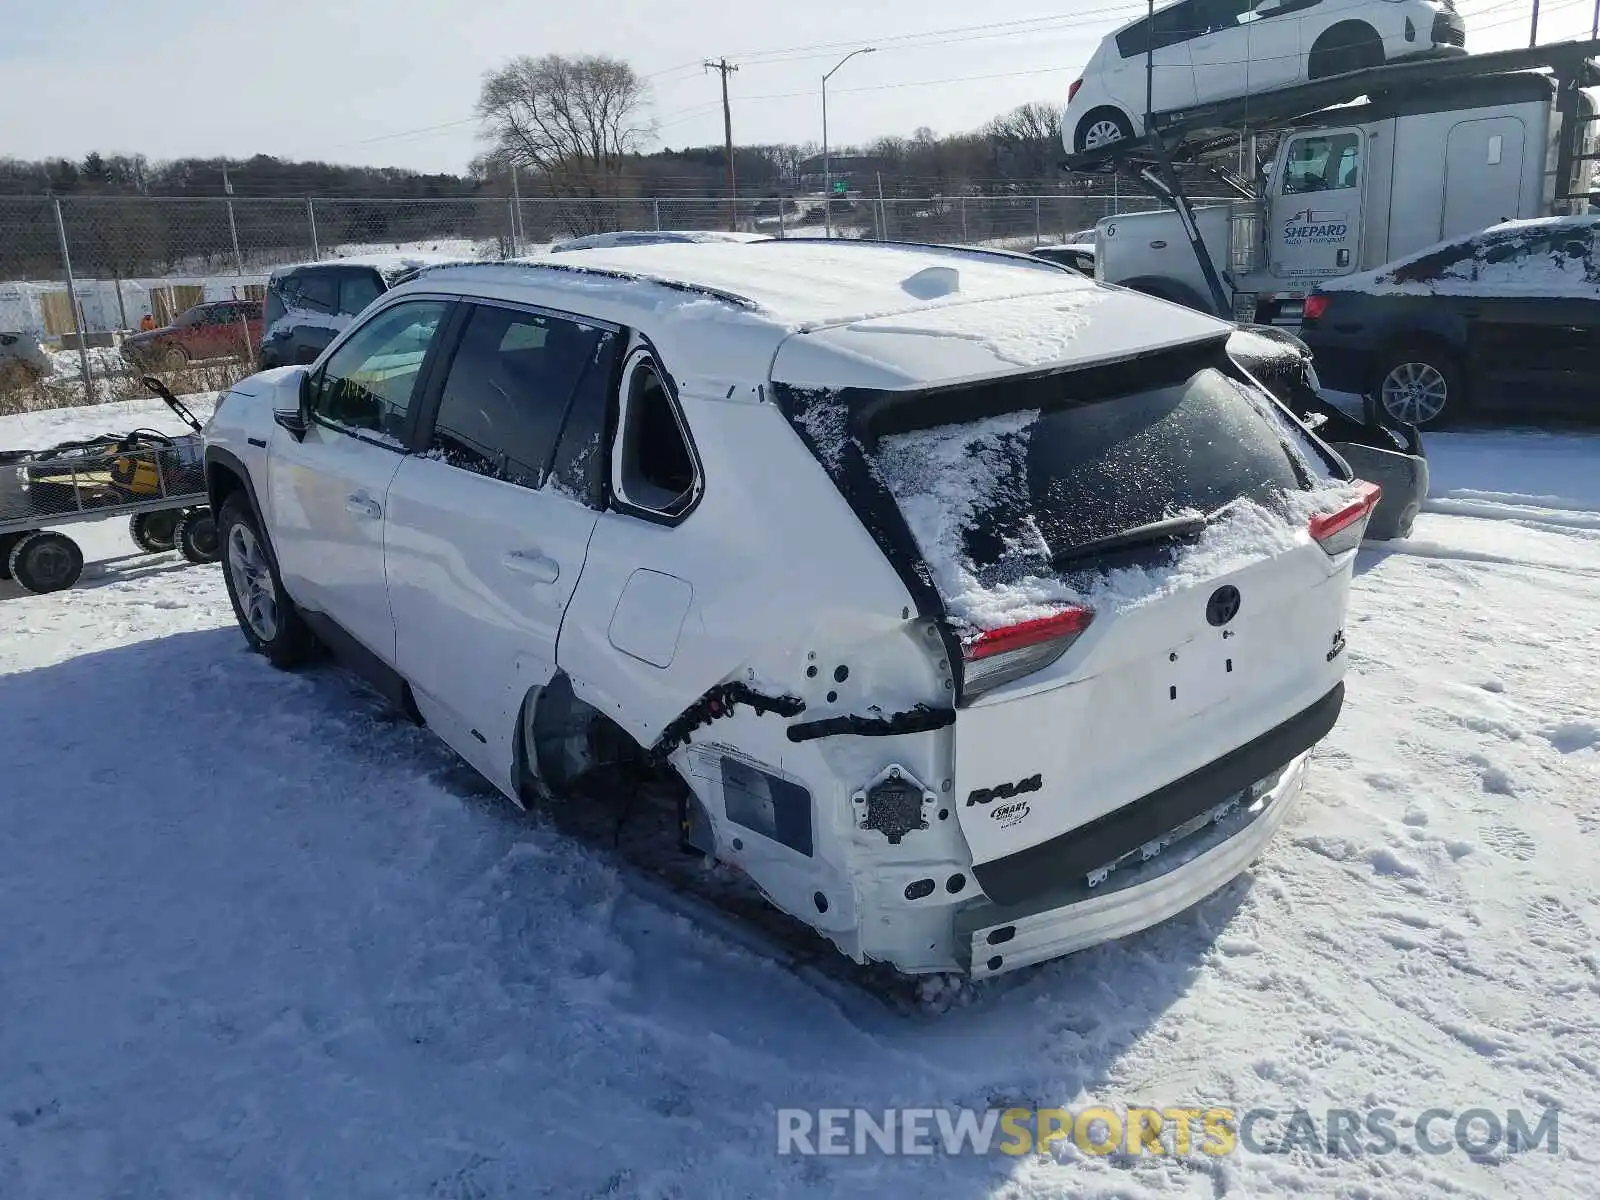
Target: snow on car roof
[
  {"x": 1441, "y": 270},
  {"x": 805, "y": 284},
  {"x": 876, "y": 315},
  {"x": 646, "y": 237},
  {"x": 390, "y": 266}
]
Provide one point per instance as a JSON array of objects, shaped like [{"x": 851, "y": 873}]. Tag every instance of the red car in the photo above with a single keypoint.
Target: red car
[{"x": 216, "y": 329}]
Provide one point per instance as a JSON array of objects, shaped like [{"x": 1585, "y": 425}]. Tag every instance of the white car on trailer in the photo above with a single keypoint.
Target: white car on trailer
[{"x": 976, "y": 612}]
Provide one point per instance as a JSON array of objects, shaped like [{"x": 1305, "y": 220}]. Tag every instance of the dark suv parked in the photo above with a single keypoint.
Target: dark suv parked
[{"x": 307, "y": 305}]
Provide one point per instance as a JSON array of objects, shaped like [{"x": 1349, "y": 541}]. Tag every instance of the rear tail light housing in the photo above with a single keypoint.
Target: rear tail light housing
[
  {"x": 999, "y": 656},
  {"x": 1315, "y": 305},
  {"x": 1072, "y": 90},
  {"x": 1342, "y": 530}
]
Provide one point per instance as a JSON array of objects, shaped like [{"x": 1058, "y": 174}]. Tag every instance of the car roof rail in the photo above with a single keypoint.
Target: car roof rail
[{"x": 569, "y": 268}]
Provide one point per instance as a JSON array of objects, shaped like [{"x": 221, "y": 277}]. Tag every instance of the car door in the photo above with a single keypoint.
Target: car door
[
  {"x": 1165, "y": 37},
  {"x": 487, "y": 534},
  {"x": 1220, "y": 50},
  {"x": 327, "y": 490},
  {"x": 1532, "y": 313},
  {"x": 1316, "y": 207}
]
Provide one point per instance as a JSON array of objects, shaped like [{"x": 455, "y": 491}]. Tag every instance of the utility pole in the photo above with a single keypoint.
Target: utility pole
[
  {"x": 724, "y": 68},
  {"x": 1533, "y": 33}
]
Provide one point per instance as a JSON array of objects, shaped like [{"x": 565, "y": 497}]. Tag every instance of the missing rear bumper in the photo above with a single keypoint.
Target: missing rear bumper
[{"x": 994, "y": 939}]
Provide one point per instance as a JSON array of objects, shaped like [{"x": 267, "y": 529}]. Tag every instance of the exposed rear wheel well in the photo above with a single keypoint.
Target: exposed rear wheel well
[{"x": 1347, "y": 46}]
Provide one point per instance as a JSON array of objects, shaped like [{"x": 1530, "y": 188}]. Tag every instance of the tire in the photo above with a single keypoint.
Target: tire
[
  {"x": 1173, "y": 292},
  {"x": 174, "y": 358},
  {"x": 266, "y": 615},
  {"x": 1343, "y": 49},
  {"x": 45, "y": 562},
  {"x": 196, "y": 536},
  {"x": 1101, "y": 127},
  {"x": 154, "y": 532},
  {"x": 1421, "y": 384},
  {"x": 7, "y": 541}
]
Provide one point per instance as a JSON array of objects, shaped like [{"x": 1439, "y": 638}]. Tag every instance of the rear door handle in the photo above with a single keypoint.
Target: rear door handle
[
  {"x": 538, "y": 567},
  {"x": 362, "y": 505}
]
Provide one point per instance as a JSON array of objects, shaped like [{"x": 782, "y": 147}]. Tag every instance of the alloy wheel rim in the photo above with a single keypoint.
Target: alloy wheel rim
[
  {"x": 1415, "y": 392},
  {"x": 1102, "y": 133},
  {"x": 252, "y": 583}
]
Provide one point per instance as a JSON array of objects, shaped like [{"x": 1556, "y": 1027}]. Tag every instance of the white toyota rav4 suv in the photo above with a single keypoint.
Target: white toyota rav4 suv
[
  {"x": 1205, "y": 50},
  {"x": 974, "y": 611}
]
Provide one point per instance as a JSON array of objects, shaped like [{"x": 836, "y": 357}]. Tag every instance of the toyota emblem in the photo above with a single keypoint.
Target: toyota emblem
[{"x": 1223, "y": 606}]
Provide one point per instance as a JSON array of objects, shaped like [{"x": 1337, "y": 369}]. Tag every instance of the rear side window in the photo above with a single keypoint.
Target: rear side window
[
  {"x": 1041, "y": 485},
  {"x": 510, "y": 384},
  {"x": 653, "y": 468},
  {"x": 307, "y": 291},
  {"x": 358, "y": 290}
]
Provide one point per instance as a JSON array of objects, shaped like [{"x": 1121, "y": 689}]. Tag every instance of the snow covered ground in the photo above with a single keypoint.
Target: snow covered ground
[{"x": 261, "y": 938}]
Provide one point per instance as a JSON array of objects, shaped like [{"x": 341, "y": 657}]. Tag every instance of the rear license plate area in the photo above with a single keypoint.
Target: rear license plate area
[{"x": 1200, "y": 674}]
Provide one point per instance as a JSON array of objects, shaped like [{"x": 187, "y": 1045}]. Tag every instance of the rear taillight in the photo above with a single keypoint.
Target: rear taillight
[
  {"x": 1316, "y": 304},
  {"x": 1072, "y": 91},
  {"x": 1339, "y": 531},
  {"x": 998, "y": 656}
]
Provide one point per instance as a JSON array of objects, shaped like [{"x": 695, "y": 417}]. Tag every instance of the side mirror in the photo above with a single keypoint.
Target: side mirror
[{"x": 294, "y": 419}]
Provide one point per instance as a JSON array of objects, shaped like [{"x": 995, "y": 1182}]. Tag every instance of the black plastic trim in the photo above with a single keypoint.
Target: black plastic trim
[
  {"x": 1017, "y": 878},
  {"x": 921, "y": 719},
  {"x": 350, "y": 652}
]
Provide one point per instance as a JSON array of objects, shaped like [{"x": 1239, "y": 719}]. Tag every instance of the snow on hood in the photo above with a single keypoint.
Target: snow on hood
[{"x": 1545, "y": 256}]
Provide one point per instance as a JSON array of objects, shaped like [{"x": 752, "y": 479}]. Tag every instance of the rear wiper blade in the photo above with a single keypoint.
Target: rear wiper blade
[{"x": 1168, "y": 530}]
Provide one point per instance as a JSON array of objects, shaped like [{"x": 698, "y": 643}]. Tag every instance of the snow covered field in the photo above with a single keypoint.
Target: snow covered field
[{"x": 263, "y": 939}]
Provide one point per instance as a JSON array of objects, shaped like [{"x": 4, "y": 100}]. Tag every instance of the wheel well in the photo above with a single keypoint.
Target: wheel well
[
  {"x": 1346, "y": 33},
  {"x": 1094, "y": 114},
  {"x": 1408, "y": 341},
  {"x": 221, "y": 482}
]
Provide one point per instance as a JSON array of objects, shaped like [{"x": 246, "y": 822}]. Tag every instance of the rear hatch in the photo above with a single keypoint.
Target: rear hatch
[{"x": 1125, "y": 554}]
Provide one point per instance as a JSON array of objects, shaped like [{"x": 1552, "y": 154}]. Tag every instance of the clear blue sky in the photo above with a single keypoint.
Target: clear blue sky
[{"x": 326, "y": 78}]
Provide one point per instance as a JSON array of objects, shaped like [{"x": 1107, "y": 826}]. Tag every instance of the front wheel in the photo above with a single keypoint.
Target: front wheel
[
  {"x": 1421, "y": 385},
  {"x": 267, "y": 616}
]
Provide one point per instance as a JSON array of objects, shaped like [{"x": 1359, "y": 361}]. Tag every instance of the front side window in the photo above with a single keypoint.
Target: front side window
[
  {"x": 653, "y": 467},
  {"x": 369, "y": 383},
  {"x": 1322, "y": 163},
  {"x": 510, "y": 385},
  {"x": 310, "y": 292}
]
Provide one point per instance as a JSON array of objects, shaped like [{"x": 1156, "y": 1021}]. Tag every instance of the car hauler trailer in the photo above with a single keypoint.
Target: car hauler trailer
[{"x": 1369, "y": 166}]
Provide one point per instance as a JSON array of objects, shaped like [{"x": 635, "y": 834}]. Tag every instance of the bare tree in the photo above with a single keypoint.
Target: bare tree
[
  {"x": 571, "y": 122},
  {"x": 1026, "y": 141}
]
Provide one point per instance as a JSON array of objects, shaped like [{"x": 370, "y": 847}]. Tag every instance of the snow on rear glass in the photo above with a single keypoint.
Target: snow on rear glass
[{"x": 996, "y": 506}]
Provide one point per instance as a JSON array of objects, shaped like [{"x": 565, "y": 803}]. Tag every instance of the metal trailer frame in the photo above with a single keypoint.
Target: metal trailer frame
[
  {"x": 1181, "y": 137},
  {"x": 179, "y": 481}
]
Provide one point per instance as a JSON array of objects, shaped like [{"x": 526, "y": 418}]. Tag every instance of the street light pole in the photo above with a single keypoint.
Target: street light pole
[{"x": 827, "y": 165}]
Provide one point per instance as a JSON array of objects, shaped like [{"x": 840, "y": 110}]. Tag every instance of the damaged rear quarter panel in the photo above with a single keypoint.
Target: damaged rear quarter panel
[{"x": 780, "y": 570}]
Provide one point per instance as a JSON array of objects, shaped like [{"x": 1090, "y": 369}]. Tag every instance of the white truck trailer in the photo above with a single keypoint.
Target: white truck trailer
[{"x": 1369, "y": 166}]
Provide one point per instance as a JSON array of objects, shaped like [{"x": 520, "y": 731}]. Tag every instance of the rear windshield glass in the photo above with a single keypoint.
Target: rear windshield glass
[{"x": 1061, "y": 480}]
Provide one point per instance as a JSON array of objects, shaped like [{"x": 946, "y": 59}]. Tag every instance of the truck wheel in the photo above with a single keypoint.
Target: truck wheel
[
  {"x": 268, "y": 618},
  {"x": 1352, "y": 46},
  {"x": 154, "y": 532},
  {"x": 46, "y": 562},
  {"x": 196, "y": 536},
  {"x": 7, "y": 541},
  {"x": 1173, "y": 292},
  {"x": 1101, "y": 127},
  {"x": 1420, "y": 384}
]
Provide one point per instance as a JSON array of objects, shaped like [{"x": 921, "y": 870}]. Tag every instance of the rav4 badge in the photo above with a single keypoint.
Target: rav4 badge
[{"x": 1005, "y": 791}]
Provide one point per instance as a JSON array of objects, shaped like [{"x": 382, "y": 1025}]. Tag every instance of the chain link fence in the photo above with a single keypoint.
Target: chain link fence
[{"x": 80, "y": 275}]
